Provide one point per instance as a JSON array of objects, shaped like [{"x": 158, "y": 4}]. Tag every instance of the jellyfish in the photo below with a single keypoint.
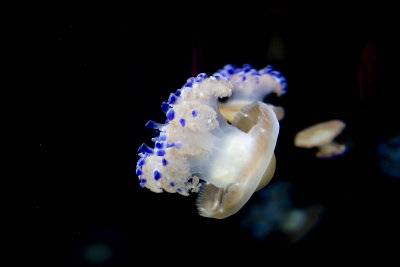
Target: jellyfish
[
  {"x": 197, "y": 150},
  {"x": 388, "y": 153},
  {"x": 321, "y": 135}
]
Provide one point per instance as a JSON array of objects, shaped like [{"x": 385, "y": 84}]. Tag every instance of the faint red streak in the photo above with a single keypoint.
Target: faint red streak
[
  {"x": 367, "y": 73},
  {"x": 196, "y": 57}
]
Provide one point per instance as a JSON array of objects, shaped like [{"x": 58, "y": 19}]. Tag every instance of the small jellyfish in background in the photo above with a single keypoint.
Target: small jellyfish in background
[
  {"x": 274, "y": 211},
  {"x": 321, "y": 135},
  {"x": 388, "y": 153},
  {"x": 196, "y": 149}
]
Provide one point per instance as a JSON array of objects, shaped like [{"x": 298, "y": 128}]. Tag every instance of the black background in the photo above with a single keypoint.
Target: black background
[{"x": 105, "y": 74}]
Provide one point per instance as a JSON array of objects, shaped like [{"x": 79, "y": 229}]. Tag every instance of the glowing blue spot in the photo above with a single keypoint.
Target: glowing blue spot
[
  {"x": 179, "y": 190},
  {"x": 142, "y": 182},
  {"x": 164, "y": 107},
  {"x": 170, "y": 144},
  {"x": 141, "y": 162},
  {"x": 159, "y": 144},
  {"x": 153, "y": 125},
  {"x": 172, "y": 184},
  {"x": 182, "y": 121},
  {"x": 217, "y": 76},
  {"x": 277, "y": 74},
  {"x": 178, "y": 92},
  {"x": 194, "y": 113},
  {"x": 138, "y": 171},
  {"x": 157, "y": 175},
  {"x": 202, "y": 75},
  {"x": 160, "y": 152},
  {"x": 163, "y": 136},
  {"x": 170, "y": 114},
  {"x": 145, "y": 149},
  {"x": 246, "y": 68},
  {"x": 172, "y": 99},
  {"x": 164, "y": 162}
]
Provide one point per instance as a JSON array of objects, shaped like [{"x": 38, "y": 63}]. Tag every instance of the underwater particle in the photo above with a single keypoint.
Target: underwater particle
[
  {"x": 321, "y": 135},
  {"x": 388, "y": 153},
  {"x": 232, "y": 160},
  {"x": 276, "y": 49}
]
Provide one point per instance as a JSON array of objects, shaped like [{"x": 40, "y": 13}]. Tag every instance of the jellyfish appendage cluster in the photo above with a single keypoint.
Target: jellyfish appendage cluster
[{"x": 223, "y": 150}]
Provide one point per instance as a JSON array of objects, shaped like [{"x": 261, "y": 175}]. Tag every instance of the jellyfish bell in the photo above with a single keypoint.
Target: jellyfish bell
[
  {"x": 321, "y": 135},
  {"x": 259, "y": 122}
]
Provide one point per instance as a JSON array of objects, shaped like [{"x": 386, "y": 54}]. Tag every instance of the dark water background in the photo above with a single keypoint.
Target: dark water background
[{"x": 105, "y": 75}]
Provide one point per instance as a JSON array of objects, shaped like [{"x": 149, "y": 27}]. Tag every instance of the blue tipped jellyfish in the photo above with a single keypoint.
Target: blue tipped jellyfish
[{"x": 226, "y": 156}]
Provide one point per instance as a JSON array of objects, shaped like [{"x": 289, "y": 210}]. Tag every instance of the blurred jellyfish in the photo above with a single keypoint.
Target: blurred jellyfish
[
  {"x": 321, "y": 135},
  {"x": 197, "y": 143},
  {"x": 389, "y": 157},
  {"x": 274, "y": 212},
  {"x": 97, "y": 253},
  {"x": 265, "y": 215},
  {"x": 299, "y": 222}
]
